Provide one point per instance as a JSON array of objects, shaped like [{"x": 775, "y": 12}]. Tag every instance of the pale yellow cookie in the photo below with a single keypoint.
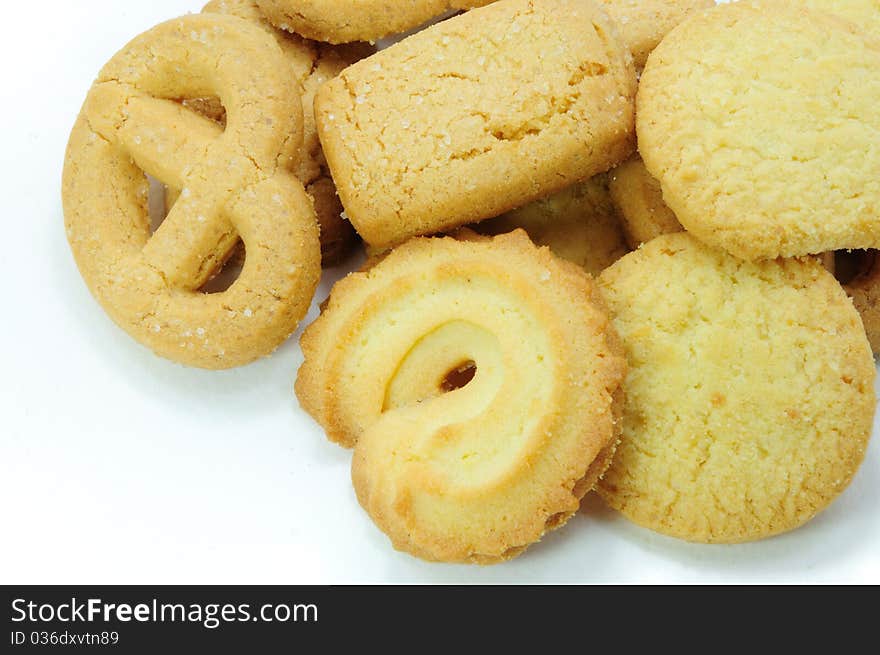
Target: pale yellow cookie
[
  {"x": 750, "y": 396},
  {"x": 235, "y": 185},
  {"x": 463, "y": 122},
  {"x": 863, "y": 13},
  {"x": 578, "y": 224},
  {"x": 644, "y": 23},
  {"x": 478, "y": 380},
  {"x": 343, "y": 21},
  {"x": 638, "y": 200},
  {"x": 760, "y": 121}
]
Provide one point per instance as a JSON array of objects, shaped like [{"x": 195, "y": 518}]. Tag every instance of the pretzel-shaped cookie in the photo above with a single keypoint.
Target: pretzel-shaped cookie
[
  {"x": 310, "y": 65},
  {"x": 459, "y": 469},
  {"x": 234, "y": 183}
]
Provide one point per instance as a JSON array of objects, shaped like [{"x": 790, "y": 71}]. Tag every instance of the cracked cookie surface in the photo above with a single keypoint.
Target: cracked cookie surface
[
  {"x": 750, "y": 394},
  {"x": 311, "y": 64},
  {"x": 477, "y": 115},
  {"x": 760, "y": 121}
]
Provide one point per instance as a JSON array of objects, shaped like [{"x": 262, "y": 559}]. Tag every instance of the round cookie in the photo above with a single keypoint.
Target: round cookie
[
  {"x": 638, "y": 200},
  {"x": 235, "y": 186},
  {"x": 578, "y": 224},
  {"x": 344, "y": 21},
  {"x": 478, "y": 380},
  {"x": 760, "y": 121},
  {"x": 750, "y": 394},
  {"x": 644, "y": 23}
]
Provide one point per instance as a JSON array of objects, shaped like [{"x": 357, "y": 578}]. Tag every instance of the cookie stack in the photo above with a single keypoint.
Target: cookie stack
[{"x": 715, "y": 384}]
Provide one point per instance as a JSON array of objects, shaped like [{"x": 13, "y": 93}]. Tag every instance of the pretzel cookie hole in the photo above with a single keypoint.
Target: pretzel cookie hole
[
  {"x": 458, "y": 377},
  {"x": 210, "y": 107},
  {"x": 228, "y": 272},
  {"x": 158, "y": 203}
]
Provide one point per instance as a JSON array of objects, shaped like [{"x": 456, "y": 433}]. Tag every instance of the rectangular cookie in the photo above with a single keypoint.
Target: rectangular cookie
[{"x": 477, "y": 115}]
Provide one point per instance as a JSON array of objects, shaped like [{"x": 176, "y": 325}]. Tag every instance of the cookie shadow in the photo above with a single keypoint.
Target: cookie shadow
[
  {"x": 563, "y": 556},
  {"x": 840, "y": 533},
  {"x": 259, "y": 386}
]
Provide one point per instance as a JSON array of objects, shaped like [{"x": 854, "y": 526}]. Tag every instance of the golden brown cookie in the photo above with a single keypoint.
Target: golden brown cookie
[
  {"x": 478, "y": 380},
  {"x": 234, "y": 184},
  {"x": 760, "y": 121},
  {"x": 644, "y": 23},
  {"x": 344, "y": 21},
  {"x": 750, "y": 396},
  {"x": 578, "y": 224},
  {"x": 462, "y": 122},
  {"x": 311, "y": 64},
  {"x": 638, "y": 200}
]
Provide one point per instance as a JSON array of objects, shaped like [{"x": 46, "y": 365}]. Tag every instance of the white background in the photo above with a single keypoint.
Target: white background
[{"x": 119, "y": 467}]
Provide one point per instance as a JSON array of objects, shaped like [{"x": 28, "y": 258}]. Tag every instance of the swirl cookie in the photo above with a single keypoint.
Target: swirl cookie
[
  {"x": 311, "y": 64},
  {"x": 578, "y": 224},
  {"x": 344, "y": 21},
  {"x": 479, "y": 382},
  {"x": 638, "y": 199},
  {"x": 462, "y": 122},
  {"x": 235, "y": 185},
  {"x": 748, "y": 411},
  {"x": 760, "y": 121},
  {"x": 644, "y": 23}
]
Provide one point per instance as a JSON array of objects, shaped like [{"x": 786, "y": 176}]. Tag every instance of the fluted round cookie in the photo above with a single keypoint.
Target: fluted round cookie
[
  {"x": 750, "y": 394},
  {"x": 578, "y": 224},
  {"x": 644, "y": 23},
  {"x": 638, "y": 200},
  {"x": 760, "y": 121},
  {"x": 344, "y": 21},
  {"x": 479, "y": 381}
]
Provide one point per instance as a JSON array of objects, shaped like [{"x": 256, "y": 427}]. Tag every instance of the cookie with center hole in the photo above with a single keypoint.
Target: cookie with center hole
[{"x": 478, "y": 380}]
